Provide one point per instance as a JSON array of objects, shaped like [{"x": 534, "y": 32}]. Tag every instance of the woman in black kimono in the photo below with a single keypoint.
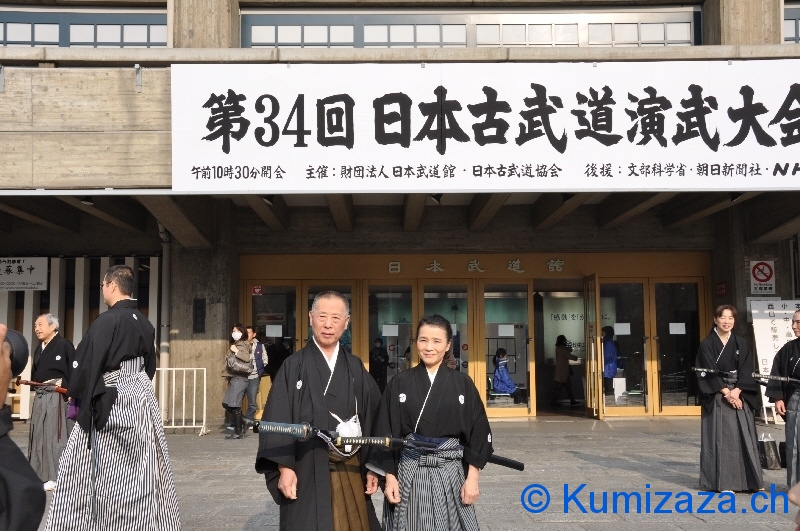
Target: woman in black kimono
[
  {"x": 728, "y": 449},
  {"x": 432, "y": 489}
]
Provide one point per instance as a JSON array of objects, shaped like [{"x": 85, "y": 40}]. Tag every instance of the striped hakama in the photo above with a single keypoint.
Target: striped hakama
[
  {"x": 792, "y": 440},
  {"x": 430, "y": 490},
  {"x": 124, "y": 481},
  {"x": 49, "y": 432},
  {"x": 728, "y": 448}
]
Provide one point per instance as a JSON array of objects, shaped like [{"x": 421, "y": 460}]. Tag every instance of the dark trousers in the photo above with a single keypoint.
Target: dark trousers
[
  {"x": 251, "y": 392},
  {"x": 563, "y": 385}
]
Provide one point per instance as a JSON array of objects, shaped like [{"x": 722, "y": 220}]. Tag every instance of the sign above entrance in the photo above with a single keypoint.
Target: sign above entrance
[{"x": 513, "y": 127}]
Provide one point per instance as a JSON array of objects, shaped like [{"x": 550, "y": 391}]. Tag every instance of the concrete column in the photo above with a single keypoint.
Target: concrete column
[
  {"x": 105, "y": 263},
  {"x": 212, "y": 275},
  {"x": 733, "y": 22},
  {"x": 204, "y": 23}
]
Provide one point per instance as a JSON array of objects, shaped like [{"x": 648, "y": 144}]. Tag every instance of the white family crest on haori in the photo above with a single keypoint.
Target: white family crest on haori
[
  {"x": 299, "y": 384},
  {"x": 461, "y": 399},
  {"x": 490, "y": 437},
  {"x": 58, "y": 357},
  {"x": 134, "y": 316},
  {"x": 402, "y": 397},
  {"x": 75, "y": 364}
]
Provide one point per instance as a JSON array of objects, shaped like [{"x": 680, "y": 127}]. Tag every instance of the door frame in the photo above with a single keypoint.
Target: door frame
[
  {"x": 593, "y": 363},
  {"x": 481, "y": 365}
]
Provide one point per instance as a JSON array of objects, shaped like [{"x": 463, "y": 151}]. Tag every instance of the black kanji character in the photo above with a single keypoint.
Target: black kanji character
[
  {"x": 747, "y": 114},
  {"x": 694, "y": 118},
  {"x": 382, "y": 119},
  {"x": 226, "y": 118},
  {"x": 489, "y": 109},
  {"x": 786, "y": 112},
  {"x": 335, "y": 121},
  {"x": 602, "y": 117},
  {"x": 538, "y": 116},
  {"x": 650, "y": 114},
  {"x": 446, "y": 125}
]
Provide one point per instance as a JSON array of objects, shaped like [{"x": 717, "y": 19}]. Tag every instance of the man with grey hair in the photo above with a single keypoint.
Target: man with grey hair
[
  {"x": 49, "y": 424},
  {"x": 326, "y": 386}
]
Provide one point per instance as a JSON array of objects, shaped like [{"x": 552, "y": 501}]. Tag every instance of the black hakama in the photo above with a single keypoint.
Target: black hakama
[
  {"x": 728, "y": 441},
  {"x": 787, "y": 363}
]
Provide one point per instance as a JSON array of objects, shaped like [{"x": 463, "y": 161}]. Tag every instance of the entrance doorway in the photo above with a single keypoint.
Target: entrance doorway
[{"x": 644, "y": 335}]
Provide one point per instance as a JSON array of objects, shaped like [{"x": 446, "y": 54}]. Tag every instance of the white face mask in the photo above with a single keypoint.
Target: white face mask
[{"x": 236, "y": 336}]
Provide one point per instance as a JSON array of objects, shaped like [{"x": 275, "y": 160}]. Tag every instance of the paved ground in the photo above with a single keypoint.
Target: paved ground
[{"x": 218, "y": 489}]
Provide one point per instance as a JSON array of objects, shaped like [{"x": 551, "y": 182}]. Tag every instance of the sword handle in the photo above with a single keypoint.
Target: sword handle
[{"x": 298, "y": 431}]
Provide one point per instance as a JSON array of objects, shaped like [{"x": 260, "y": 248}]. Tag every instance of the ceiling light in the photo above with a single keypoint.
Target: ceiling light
[
  {"x": 88, "y": 201},
  {"x": 268, "y": 199},
  {"x": 436, "y": 198}
]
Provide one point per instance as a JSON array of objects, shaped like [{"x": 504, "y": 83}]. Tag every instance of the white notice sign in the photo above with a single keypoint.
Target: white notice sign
[{"x": 19, "y": 274}]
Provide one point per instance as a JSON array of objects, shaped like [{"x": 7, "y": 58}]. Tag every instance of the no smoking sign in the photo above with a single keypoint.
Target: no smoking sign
[{"x": 762, "y": 277}]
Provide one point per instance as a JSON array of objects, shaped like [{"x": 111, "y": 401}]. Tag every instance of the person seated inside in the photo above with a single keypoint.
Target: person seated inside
[{"x": 502, "y": 381}]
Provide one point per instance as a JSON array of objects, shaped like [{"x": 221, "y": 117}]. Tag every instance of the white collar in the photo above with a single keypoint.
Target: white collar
[{"x": 331, "y": 362}]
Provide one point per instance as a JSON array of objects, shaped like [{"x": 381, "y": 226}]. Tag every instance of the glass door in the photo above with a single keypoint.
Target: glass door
[
  {"x": 594, "y": 361},
  {"x": 507, "y": 340},
  {"x": 451, "y": 301},
  {"x": 678, "y": 313},
  {"x": 391, "y": 327},
  {"x": 623, "y": 346}
]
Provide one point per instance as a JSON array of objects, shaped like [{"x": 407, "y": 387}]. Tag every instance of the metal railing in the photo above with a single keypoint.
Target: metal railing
[{"x": 181, "y": 397}]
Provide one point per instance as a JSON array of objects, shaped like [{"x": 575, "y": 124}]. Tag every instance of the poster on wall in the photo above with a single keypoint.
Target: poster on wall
[
  {"x": 469, "y": 127},
  {"x": 772, "y": 327},
  {"x": 20, "y": 274},
  {"x": 565, "y": 316}
]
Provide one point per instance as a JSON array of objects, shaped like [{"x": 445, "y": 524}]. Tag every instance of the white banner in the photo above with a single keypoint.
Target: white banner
[
  {"x": 477, "y": 127},
  {"x": 19, "y": 274},
  {"x": 772, "y": 327}
]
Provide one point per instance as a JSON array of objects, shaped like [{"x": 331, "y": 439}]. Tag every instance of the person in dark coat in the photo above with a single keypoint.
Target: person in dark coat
[
  {"x": 327, "y": 387},
  {"x": 728, "y": 447},
  {"x": 22, "y": 498},
  {"x": 563, "y": 371},
  {"x": 378, "y": 363},
  {"x": 50, "y": 426},
  {"x": 787, "y": 399},
  {"x": 115, "y": 468}
]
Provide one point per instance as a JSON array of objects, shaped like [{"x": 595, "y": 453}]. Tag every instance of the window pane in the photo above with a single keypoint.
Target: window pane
[
  {"x": 263, "y": 34},
  {"x": 679, "y": 31},
  {"x": 45, "y": 32},
  {"x": 599, "y": 33},
  {"x": 789, "y": 29},
  {"x": 109, "y": 33},
  {"x": 626, "y": 32},
  {"x": 488, "y": 33},
  {"x": 513, "y": 33},
  {"x": 454, "y": 33},
  {"x": 289, "y": 34},
  {"x": 342, "y": 34},
  {"x": 376, "y": 33},
  {"x": 81, "y": 33},
  {"x": 158, "y": 33},
  {"x": 315, "y": 34},
  {"x": 19, "y": 32},
  {"x": 540, "y": 33},
  {"x": 135, "y": 33},
  {"x": 428, "y": 33},
  {"x": 652, "y": 32},
  {"x": 566, "y": 33},
  {"x": 401, "y": 33}
]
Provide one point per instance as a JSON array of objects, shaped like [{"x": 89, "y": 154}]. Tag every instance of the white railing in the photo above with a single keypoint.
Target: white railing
[{"x": 182, "y": 398}]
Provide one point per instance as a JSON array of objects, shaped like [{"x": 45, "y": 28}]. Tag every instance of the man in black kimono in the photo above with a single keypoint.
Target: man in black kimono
[
  {"x": 49, "y": 424},
  {"x": 787, "y": 399},
  {"x": 115, "y": 467},
  {"x": 22, "y": 499},
  {"x": 323, "y": 385}
]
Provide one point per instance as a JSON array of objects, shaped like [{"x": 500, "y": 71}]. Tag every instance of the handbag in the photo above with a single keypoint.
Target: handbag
[
  {"x": 768, "y": 453},
  {"x": 237, "y": 366}
]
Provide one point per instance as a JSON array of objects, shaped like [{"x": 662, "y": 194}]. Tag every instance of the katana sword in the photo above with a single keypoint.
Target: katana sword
[
  {"x": 703, "y": 371},
  {"x": 305, "y": 432},
  {"x": 785, "y": 379},
  {"x": 57, "y": 389}
]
